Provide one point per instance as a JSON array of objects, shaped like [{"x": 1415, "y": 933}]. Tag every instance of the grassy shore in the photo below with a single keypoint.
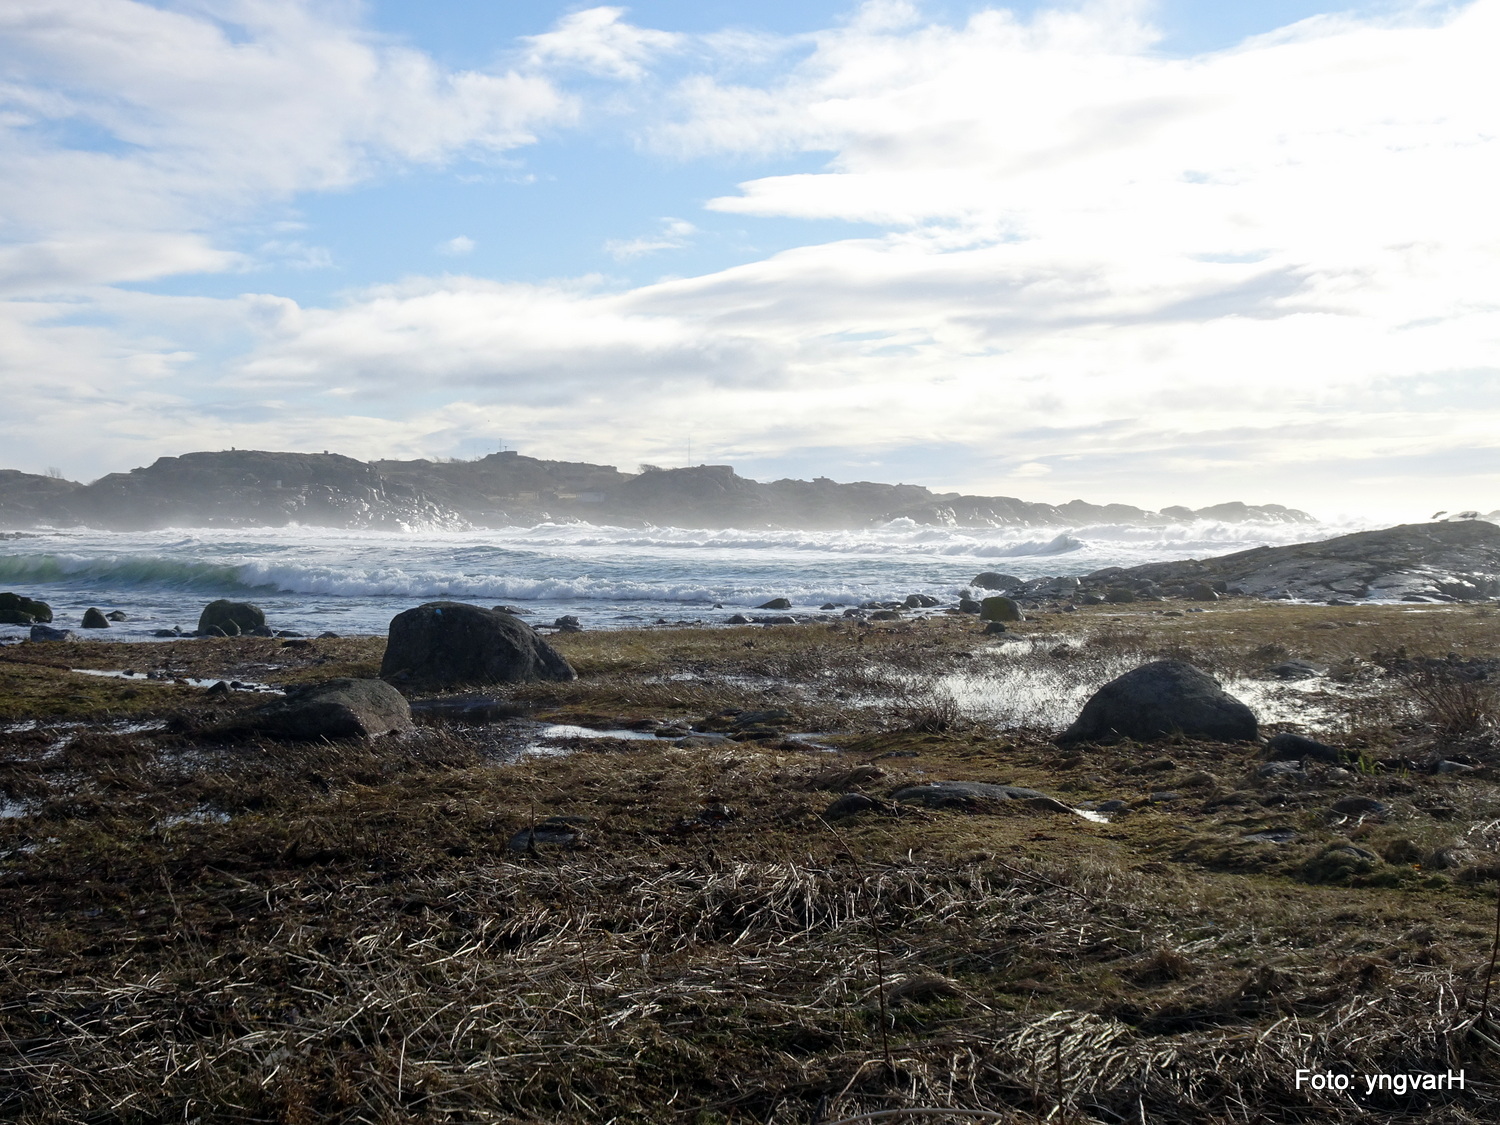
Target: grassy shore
[{"x": 254, "y": 931}]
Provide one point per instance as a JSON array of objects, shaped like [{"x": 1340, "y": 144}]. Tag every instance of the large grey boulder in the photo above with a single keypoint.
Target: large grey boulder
[
  {"x": 445, "y": 644},
  {"x": 95, "y": 619},
  {"x": 333, "y": 709},
  {"x": 48, "y": 633},
  {"x": 1162, "y": 698},
  {"x": 16, "y": 609},
  {"x": 224, "y": 613},
  {"x": 1000, "y": 608}
]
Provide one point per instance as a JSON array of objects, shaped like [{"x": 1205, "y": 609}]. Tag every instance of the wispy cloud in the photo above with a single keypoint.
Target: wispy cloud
[
  {"x": 673, "y": 235},
  {"x": 457, "y": 247}
]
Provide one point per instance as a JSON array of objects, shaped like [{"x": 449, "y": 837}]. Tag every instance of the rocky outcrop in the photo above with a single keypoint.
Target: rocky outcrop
[
  {"x": 230, "y": 618},
  {"x": 29, "y": 499},
  {"x": 1447, "y": 561},
  {"x": 251, "y": 488},
  {"x": 449, "y": 644},
  {"x": 333, "y": 709},
  {"x": 16, "y": 609},
  {"x": 247, "y": 488},
  {"x": 1162, "y": 698}
]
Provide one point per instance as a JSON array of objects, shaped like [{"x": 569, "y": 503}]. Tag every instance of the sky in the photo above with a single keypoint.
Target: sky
[{"x": 1172, "y": 252}]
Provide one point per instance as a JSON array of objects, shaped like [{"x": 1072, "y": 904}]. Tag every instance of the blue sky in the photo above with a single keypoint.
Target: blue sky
[{"x": 1162, "y": 253}]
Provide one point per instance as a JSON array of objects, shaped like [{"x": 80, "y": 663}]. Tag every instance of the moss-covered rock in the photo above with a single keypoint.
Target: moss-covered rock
[
  {"x": 224, "y": 613},
  {"x": 18, "y": 610}
]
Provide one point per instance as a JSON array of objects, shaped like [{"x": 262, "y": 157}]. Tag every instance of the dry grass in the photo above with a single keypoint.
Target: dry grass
[{"x": 340, "y": 933}]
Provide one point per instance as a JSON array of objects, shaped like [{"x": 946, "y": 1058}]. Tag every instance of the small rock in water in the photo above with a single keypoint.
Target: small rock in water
[
  {"x": 164, "y": 633},
  {"x": 737, "y": 619},
  {"x": 567, "y": 623},
  {"x": 48, "y": 633},
  {"x": 117, "y": 615},
  {"x": 95, "y": 619},
  {"x": 328, "y": 636},
  {"x": 775, "y": 603},
  {"x": 470, "y": 709}
]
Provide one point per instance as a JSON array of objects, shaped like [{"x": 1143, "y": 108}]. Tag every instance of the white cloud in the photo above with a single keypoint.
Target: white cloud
[
  {"x": 673, "y": 235},
  {"x": 457, "y": 247},
  {"x": 596, "y": 40},
  {"x": 122, "y": 122}
]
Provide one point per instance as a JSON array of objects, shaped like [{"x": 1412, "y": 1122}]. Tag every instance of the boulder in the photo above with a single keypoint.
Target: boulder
[
  {"x": 990, "y": 580},
  {"x": 48, "y": 633},
  {"x": 445, "y": 644},
  {"x": 567, "y": 623},
  {"x": 224, "y": 613},
  {"x": 18, "y": 610},
  {"x": 333, "y": 709},
  {"x": 966, "y": 604},
  {"x": 1162, "y": 698},
  {"x": 117, "y": 615},
  {"x": 775, "y": 603},
  {"x": 999, "y": 609},
  {"x": 920, "y": 601},
  {"x": 1288, "y": 746},
  {"x": 1202, "y": 592},
  {"x": 968, "y": 795},
  {"x": 95, "y": 619}
]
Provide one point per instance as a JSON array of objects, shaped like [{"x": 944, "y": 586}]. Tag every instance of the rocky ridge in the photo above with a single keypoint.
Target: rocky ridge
[{"x": 254, "y": 488}]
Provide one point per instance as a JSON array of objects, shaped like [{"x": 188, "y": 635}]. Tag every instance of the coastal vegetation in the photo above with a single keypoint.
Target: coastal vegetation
[{"x": 653, "y": 900}]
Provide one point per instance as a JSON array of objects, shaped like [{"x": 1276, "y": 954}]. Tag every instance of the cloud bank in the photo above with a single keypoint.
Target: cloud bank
[{"x": 1076, "y": 264}]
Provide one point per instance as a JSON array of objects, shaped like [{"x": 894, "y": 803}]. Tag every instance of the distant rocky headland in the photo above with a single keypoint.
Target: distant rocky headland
[{"x": 252, "y": 488}]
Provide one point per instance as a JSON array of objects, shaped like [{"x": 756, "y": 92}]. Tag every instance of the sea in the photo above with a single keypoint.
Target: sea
[{"x": 314, "y": 580}]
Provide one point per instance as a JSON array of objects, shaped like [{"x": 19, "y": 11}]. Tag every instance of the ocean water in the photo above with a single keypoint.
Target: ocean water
[{"x": 313, "y": 580}]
